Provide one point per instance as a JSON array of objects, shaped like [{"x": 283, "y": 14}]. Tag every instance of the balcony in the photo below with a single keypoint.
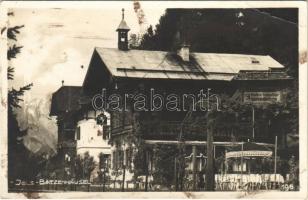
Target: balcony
[
  {"x": 170, "y": 130},
  {"x": 121, "y": 130}
]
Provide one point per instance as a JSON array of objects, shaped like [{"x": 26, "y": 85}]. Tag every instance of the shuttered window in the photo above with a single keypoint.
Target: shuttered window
[
  {"x": 78, "y": 133},
  {"x": 114, "y": 160}
]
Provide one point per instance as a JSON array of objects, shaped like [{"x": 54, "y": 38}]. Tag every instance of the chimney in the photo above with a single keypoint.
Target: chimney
[{"x": 184, "y": 52}]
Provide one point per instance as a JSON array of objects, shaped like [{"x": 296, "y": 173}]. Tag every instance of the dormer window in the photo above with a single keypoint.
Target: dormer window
[{"x": 254, "y": 60}]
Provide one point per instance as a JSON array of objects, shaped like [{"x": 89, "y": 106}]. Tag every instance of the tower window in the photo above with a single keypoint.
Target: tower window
[{"x": 78, "y": 133}]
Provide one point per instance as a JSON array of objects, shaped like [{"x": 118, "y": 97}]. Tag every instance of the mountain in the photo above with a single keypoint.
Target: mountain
[{"x": 42, "y": 130}]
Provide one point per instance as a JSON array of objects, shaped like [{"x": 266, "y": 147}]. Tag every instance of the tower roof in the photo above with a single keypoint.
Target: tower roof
[{"x": 123, "y": 25}]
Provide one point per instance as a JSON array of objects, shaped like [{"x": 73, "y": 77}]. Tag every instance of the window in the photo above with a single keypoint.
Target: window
[
  {"x": 106, "y": 130},
  {"x": 104, "y": 162},
  {"x": 120, "y": 158},
  {"x": 116, "y": 119},
  {"x": 117, "y": 160},
  {"x": 78, "y": 133},
  {"x": 114, "y": 160},
  {"x": 129, "y": 154},
  {"x": 254, "y": 60}
]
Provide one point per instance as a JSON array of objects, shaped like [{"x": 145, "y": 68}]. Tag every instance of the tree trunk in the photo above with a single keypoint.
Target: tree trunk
[
  {"x": 123, "y": 181},
  {"x": 209, "y": 166},
  {"x": 194, "y": 151},
  {"x": 146, "y": 170},
  {"x": 175, "y": 174}
]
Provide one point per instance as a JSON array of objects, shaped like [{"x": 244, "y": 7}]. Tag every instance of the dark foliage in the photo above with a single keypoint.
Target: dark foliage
[
  {"x": 13, "y": 31},
  {"x": 10, "y": 73},
  {"x": 290, "y": 15},
  {"x": 15, "y": 96},
  {"x": 84, "y": 166},
  {"x": 20, "y": 159},
  {"x": 164, "y": 164},
  {"x": 12, "y": 51}
]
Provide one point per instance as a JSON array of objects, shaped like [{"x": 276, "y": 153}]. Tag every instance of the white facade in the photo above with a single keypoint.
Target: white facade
[{"x": 89, "y": 137}]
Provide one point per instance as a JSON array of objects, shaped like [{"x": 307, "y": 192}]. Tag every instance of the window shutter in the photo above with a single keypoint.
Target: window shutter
[{"x": 78, "y": 133}]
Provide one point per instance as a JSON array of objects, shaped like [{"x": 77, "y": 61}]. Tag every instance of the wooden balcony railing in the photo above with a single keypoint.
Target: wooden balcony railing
[
  {"x": 190, "y": 131},
  {"x": 121, "y": 130},
  {"x": 170, "y": 130}
]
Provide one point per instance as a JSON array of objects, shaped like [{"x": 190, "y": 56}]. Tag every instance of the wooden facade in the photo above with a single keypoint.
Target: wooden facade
[{"x": 128, "y": 127}]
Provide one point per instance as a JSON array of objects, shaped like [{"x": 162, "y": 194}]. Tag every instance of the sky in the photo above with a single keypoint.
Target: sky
[{"x": 57, "y": 41}]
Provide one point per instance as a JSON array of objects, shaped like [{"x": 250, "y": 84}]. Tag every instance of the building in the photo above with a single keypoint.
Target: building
[
  {"x": 64, "y": 105},
  {"x": 249, "y": 78},
  {"x": 78, "y": 129}
]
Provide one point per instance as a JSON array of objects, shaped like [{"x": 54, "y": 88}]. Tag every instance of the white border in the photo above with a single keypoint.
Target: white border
[{"x": 302, "y": 194}]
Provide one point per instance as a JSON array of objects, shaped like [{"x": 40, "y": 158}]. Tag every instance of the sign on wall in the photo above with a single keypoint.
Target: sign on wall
[
  {"x": 263, "y": 97},
  {"x": 238, "y": 154}
]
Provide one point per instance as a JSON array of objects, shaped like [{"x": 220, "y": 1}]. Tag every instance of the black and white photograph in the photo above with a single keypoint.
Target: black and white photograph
[{"x": 154, "y": 98}]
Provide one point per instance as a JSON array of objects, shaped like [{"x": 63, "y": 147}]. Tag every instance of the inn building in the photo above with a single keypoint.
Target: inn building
[{"x": 248, "y": 78}]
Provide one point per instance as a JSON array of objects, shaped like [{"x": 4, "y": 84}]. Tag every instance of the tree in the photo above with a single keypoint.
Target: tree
[
  {"x": 163, "y": 173},
  {"x": 84, "y": 166},
  {"x": 88, "y": 165},
  {"x": 294, "y": 172},
  {"x": 104, "y": 169},
  {"x": 78, "y": 167},
  {"x": 116, "y": 172},
  {"x": 20, "y": 159},
  {"x": 14, "y": 96}
]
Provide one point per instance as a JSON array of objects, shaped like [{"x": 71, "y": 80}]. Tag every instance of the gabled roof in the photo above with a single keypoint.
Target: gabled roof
[
  {"x": 167, "y": 65},
  {"x": 65, "y": 99},
  {"x": 123, "y": 26}
]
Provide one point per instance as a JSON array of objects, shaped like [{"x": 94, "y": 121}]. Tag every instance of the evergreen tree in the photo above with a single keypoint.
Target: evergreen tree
[{"x": 22, "y": 164}]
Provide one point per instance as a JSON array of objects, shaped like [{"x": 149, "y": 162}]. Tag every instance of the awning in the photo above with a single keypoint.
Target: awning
[
  {"x": 237, "y": 154},
  {"x": 249, "y": 149}
]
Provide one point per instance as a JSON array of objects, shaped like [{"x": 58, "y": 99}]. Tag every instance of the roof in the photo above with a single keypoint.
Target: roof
[
  {"x": 168, "y": 65},
  {"x": 123, "y": 26},
  {"x": 65, "y": 99}
]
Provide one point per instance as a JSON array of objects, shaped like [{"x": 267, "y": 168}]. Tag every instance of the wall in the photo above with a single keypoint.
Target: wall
[{"x": 91, "y": 138}]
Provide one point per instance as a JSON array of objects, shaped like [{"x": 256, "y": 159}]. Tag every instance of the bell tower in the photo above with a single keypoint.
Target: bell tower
[{"x": 122, "y": 34}]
